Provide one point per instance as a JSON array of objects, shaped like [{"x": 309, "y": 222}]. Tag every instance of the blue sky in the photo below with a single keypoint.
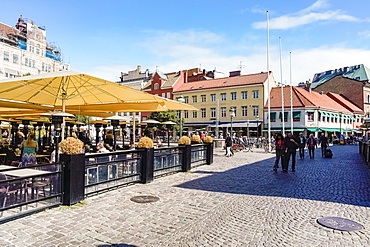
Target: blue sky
[{"x": 105, "y": 38}]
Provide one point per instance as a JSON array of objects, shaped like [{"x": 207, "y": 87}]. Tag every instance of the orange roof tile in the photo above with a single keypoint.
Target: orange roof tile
[
  {"x": 341, "y": 99},
  {"x": 224, "y": 82},
  {"x": 303, "y": 98}
]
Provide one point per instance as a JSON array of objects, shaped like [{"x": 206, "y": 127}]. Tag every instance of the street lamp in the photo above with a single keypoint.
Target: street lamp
[
  {"x": 257, "y": 120},
  {"x": 232, "y": 115},
  {"x": 181, "y": 99},
  {"x": 248, "y": 128}
]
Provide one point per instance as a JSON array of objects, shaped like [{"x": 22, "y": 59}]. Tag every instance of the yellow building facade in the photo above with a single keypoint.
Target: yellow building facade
[{"x": 223, "y": 102}]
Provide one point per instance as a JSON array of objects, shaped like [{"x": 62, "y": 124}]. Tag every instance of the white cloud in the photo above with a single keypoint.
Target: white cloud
[
  {"x": 306, "y": 16},
  {"x": 364, "y": 34}
]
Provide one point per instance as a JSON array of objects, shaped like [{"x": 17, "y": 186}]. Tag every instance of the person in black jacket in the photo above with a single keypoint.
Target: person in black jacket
[
  {"x": 302, "y": 145},
  {"x": 324, "y": 144},
  {"x": 228, "y": 144},
  {"x": 292, "y": 145}
]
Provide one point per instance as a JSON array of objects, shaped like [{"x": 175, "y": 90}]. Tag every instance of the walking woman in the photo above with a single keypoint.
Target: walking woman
[
  {"x": 280, "y": 151},
  {"x": 311, "y": 144},
  {"x": 29, "y": 148}
]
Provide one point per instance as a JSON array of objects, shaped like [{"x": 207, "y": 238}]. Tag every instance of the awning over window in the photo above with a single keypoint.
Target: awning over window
[
  {"x": 296, "y": 114},
  {"x": 285, "y": 115},
  {"x": 272, "y": 115},
  {"x": 313, "y": 129},
  {"x": 286, "y": 129},
  {"x": 357, "y": 131},
  {"x": 324, "y": 114}
]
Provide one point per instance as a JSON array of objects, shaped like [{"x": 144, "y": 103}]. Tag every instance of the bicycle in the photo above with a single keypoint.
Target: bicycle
[
  {"x": 237, "y": 147},
  {"x": 248, "y": 147}
]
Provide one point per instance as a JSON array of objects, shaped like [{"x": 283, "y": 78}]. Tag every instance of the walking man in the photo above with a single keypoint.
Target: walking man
[
  {"x": 323, "y": 143},
  {"x": 292, "y": 145},
  {"x": 302, "y": 145}
]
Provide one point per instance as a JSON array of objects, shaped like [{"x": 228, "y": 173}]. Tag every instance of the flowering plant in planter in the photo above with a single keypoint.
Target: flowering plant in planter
[
  {"x": 208, "y": 139},
  {"x": 184, "y": 140},
  {"x": 71, "y": 145},
  {"x": 145, "y": 142},
  {"x": 195, "y": 138}
]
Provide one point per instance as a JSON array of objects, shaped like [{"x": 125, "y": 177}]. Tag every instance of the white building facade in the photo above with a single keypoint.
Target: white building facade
[{"x": 24, "y": 51}]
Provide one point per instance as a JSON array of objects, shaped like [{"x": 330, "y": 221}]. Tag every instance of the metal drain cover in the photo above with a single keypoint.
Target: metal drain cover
[
  {"x": 340, "y": 224},
  {"x": 144, "y": 199}
]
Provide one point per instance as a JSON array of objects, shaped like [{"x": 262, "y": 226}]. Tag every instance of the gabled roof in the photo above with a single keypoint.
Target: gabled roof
[
  {"x": 170, "y": 79},
  {"x": 356, "y": 72},
  {"x": 235, "y": 81},
  {"x": 341, "y": 99},
  {"x": 303, "y": 98}
]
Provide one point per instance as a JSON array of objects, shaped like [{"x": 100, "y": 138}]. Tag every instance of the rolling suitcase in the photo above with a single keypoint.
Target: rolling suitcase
[{"x": 328, "y": 154}]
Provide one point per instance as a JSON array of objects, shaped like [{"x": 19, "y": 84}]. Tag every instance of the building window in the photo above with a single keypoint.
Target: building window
[
  {"x": 195, "y": 114},
  {"x": 255, "y": 111},
  {"x": 186, "y": 114},
  {"x": 194, "y": 98},
  {"x": 244, "y": 111},
  {"x": 168, "y": 95},
  {"x": 178, "y": 112},
  {"x": 26, "y": 62},
  {"x": 186, "y": 98},
  {"x": 164, "y": 95},
  {"x": 204, "y": 113},
  {"x": 203, "y": 98},
  {"x": 156, "y": 86},
  {"x": 223, "y": 97},
  {"x": 244, "y": 94},
  {"x": 255, "y": 94},
  {"x": 43, "y": 66},
  {"x": 296, "y": 116},
  {"x": 223, "y": 111},
  {"x": 233, "y": 96},
  {"x": 285, "y": 116},
  {"x": 213, "y": 97},
  {"x": 273, "y": 116},
  {"x": 213, "y": 112},
  {"x": 6, "y": 56},
  {"x": 368, "y": 98},
  {"x": 15, "y": 58},
  {"x": 310, "y": 116}
]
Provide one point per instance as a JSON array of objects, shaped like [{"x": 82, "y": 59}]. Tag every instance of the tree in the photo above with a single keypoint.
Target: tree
[
  {"x": 83, "y": 119},
  {"x": 163, "y": 116}
]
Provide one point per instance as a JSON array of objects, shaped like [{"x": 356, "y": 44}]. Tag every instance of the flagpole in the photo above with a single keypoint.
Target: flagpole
[
  {"x": 282, "y": 90},
  {"x": 291, "y": 94},
  {"x": 268, "y": 82}
]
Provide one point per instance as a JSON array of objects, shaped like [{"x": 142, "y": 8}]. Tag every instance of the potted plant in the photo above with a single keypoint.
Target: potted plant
[
  {"x": 195, "y": 139},
  {"x": 184, "y": 141},
  {"x": 145, "y": 142},
  {"x": 208, "y": 139}
]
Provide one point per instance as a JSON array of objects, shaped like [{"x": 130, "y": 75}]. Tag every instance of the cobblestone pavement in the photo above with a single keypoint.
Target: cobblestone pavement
[{"x": 237, "y": 201}]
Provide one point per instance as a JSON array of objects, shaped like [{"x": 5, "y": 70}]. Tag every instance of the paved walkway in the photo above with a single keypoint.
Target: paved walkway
[{"x": 237, "y": 201}]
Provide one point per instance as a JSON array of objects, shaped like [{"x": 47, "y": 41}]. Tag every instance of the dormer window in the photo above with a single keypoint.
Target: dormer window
[{"x": 156, "y": 86}]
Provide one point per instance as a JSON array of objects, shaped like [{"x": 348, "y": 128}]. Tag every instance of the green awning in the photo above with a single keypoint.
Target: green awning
[
  {"x": 272, "y": 115},
  {"x": 352, "y": 118},
  {"x": 324, "y": 114},
  {"x": 296, "y": 114},
  {"x": 336, "y": 115},
  {"x": 330, "y": 129},
  {"x": 286, "y": 129},
  {"x": 285, "y": 115},
  {"x": 357, "y": 131},
  {"x": 313, "y": 129}
]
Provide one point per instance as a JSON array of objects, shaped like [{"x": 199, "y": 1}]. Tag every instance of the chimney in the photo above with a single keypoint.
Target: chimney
[
  {"x": 234, "y": 73},
  {"x": 321, "y": 92},
  {"x": 138, "y": 69}
]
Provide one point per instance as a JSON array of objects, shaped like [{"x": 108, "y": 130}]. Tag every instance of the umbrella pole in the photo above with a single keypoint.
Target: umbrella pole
[
  {"x": 133, "y": 128},
  {"x": 64, "y": 121}
]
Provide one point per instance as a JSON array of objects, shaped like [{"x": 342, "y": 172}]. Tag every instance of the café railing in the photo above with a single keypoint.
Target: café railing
[{"x": 26, "y": 190}]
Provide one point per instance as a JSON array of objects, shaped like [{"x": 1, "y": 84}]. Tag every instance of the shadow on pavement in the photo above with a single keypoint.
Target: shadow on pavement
[{"x": 343, "y": 179}]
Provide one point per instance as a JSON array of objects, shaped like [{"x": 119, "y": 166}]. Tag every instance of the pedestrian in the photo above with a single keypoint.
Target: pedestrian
[
  {"x": 228, "y": 144},
  {"x": 311, "y": 145},
  {"x": 302, "y": 145},
  {"x": 280, "y": 151},
  {"x": 323, "y": 144},
  {"x": 292, "y": 145}
]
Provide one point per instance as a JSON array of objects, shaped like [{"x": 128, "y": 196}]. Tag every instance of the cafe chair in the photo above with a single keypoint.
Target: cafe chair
[
  {"x": 9, "y": 192},
  {"x": 10, "y": 156},
  {"x": 39, "y": 183}
]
